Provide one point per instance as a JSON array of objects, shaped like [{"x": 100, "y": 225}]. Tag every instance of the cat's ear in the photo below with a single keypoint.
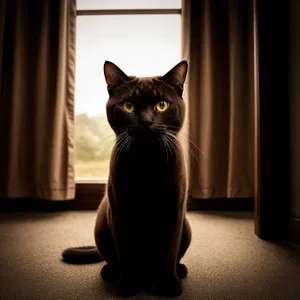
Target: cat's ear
[
  {"x": 114, "y": 76},
  {"x": 176, "y": 76}
]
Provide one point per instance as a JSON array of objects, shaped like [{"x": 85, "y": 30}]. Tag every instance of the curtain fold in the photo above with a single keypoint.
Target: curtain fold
[
  {"x": 218, "y": 43},
  {"x": 37, "y": 40}
]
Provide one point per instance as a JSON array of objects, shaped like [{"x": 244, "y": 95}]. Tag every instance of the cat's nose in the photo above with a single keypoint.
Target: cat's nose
[
  {"x": 146, "y": 123},
  {"x": 145, "y": 120}
]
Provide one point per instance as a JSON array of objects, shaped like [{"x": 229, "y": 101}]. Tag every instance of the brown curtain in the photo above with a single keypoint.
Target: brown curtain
[
  {"x": 37, "y": 65},
  {"x": 218, "y": 43}
]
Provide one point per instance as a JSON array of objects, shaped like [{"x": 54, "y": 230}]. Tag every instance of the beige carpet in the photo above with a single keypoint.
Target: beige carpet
[{"x": 226, "y": 260}]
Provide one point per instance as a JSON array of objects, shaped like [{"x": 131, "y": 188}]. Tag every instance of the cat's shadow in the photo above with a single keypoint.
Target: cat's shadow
[{"x": 109, "y": 289}]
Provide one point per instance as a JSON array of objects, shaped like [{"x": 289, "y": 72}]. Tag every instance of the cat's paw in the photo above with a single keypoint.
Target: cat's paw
[
  {"x": 128, "y": 289},
  {"x": 111, "y": 274},
  {"x": 182, "y": 271},
  {"x": 169, "y": 288}
]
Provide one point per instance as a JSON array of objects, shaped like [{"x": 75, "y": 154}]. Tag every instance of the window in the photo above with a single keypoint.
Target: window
[{"x": 143, "y": 38}]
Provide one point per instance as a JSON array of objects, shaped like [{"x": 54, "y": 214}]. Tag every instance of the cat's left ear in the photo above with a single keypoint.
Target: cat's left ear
[
  {"x": 176, "y": 76},
  {"x": 114, "y": 76}
]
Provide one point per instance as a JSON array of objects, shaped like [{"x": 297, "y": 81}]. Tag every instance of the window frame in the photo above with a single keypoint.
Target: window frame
[{"x": 89, "y": 193}]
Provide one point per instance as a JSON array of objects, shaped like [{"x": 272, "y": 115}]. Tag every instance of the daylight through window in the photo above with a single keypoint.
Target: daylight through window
[{"x": 145, "y": 43}]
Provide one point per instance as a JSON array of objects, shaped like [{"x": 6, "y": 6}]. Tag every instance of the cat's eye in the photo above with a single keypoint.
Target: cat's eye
[
  {"x": 162, "y": 106},
  {"x": 128, "y": 106}
]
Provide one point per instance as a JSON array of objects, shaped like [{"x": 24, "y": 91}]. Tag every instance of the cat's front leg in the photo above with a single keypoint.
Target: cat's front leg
[
  {"x": 127, "y": 246},
  {"x": 169, "y": 284},
  {"x": 170, "y": 287}
]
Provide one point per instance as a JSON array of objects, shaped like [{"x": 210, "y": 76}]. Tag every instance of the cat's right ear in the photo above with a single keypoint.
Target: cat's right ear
[{"x": 114, "y": 76}]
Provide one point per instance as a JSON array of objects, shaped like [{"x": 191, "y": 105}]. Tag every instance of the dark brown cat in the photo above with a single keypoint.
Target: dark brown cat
[{"x": 141, "y": 230}]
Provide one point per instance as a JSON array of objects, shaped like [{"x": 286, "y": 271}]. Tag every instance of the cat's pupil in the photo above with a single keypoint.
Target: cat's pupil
[{"x": 162, "y": 105}]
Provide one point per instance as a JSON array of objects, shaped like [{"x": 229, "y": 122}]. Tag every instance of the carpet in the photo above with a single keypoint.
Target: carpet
[{"x": 226, "y": 259}]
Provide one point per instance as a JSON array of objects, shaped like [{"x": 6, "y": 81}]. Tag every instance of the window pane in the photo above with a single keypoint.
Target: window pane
[
  {"x": 127, "y": 4},
  {"x": 140, "y": 45}
]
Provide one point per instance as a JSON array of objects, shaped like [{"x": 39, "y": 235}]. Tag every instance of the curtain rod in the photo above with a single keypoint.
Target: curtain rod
[{"x": 99, "y": 12}]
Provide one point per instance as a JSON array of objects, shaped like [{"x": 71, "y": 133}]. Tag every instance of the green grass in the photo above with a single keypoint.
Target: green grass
[{"x": 97, "y": 170}]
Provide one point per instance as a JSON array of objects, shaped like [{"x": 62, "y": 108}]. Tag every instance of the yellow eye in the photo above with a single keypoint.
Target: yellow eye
[
  {"x": 162, "y": 106},
  {"x": 128, "y": 106}
]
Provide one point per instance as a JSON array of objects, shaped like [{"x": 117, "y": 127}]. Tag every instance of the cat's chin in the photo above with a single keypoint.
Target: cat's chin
[
  {"x": 148, "y": 140},
  {"x": 147, "y": 135}
]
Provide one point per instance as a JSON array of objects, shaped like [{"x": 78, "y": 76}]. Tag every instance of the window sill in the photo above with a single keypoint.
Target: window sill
[{"x": 90, "y": 193}]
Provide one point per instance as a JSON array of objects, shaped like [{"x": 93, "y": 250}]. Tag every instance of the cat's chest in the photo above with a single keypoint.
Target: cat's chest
[
  {"x": 145, "y": 168},
  {"x": 144, "y": 182},
  {"x": 144, "y": 175}
]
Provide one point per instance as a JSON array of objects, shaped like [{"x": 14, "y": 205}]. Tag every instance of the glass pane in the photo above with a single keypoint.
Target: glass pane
[
  {"x": 140, "y": 45},
  {"x": 127, "y": 4}
]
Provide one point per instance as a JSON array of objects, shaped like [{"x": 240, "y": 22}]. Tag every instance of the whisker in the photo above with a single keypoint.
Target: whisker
[
  {"x": 129, "y": 143},
  {"x": 172, "y": 143},
  {"x": 190, "y": 141},
  {"x": 187, "y": 148},
  {"x": 118, "y": 144},
  {"x": 166, "y": 146},
  {"x": 108, "y": 148},
  {"x": 122, "y": 147},
  {"x": 166, "y": 149},
  {"x": 125, "y": 143},
  {"x": 169, "y": 139},
  {"x": 104, "y": 153},
  {"x": 177, "y": 133},
  {"x": 106, "y": 138},
  {"x": 119, "y": 137}
]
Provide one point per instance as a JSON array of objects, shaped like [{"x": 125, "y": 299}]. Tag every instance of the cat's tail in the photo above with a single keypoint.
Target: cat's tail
[{"x": 81, "y": 255}]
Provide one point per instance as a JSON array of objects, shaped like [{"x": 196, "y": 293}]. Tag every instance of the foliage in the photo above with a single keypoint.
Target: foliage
[{"x": 94, "y": 138}]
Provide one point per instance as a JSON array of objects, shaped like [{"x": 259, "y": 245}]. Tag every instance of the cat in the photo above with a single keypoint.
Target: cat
[{"x": 141, "y": 228}]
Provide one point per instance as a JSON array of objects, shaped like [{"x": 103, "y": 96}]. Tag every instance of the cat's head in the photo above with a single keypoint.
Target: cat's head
[{"x": 145, "y": 106}]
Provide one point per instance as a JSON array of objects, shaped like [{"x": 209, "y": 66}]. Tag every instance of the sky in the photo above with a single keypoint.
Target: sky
[{"x": 141, "y": 45}]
